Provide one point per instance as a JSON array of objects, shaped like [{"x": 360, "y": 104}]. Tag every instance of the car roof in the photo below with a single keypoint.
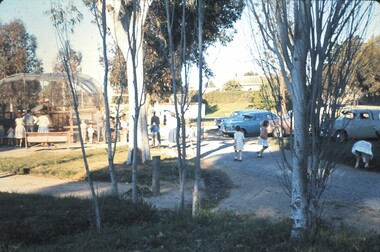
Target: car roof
[{"x": 361, "y": 108}]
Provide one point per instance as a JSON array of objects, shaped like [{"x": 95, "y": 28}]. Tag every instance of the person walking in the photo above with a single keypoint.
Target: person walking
[
  {"x": 238, "y": 143},
  {"x": 263, "y": 138},
  {"x": 155, "y": 119},
  {"x": 99, "y": 120},
  {"x": 19, "y": 130}
]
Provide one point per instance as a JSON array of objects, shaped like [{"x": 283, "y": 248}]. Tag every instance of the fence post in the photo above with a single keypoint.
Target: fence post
[{"x": 156, "y": 175}]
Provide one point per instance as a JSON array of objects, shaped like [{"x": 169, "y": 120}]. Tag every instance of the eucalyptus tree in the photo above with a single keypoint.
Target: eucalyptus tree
[
  {"x": 125, "y": 20},
  {"x": 64, "y": 18},
  {"x": 314, "y": 43},
  {"x": 18, "y": 55}
]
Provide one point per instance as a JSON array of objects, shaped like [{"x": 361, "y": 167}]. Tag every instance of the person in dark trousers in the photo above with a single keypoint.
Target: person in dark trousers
[{"x": 155, "y": 119}]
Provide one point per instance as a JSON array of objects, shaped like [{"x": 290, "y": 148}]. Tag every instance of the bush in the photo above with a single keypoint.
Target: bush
[{"x": 35, "y": 219}]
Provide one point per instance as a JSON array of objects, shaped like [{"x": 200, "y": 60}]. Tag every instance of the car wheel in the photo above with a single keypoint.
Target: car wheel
[
  {"x": 278, "y": 132},
  {"x": 244, "y": 132},
  {"x": 341, "y": 136}
]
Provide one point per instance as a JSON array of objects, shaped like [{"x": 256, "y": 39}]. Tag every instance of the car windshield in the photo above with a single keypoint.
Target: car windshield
[{"x": 235, "y": 114}]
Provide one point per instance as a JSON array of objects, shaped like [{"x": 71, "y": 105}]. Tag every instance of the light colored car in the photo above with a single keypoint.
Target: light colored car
[{"x": 360, "y": 122}]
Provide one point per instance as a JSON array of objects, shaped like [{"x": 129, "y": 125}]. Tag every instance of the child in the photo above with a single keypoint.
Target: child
[
  {"x": 263, "y": 138},
  {"x": 83, "y": 129},
  {"x": 154, "y": 129},
  {"x": 90, "y": 131},
  {"x": 2, "y": 134},
  {"x": 10, "y": 135},
  {"x": 362, "y": 150},
  {"x": 238, "y": 143},
  {"x": 193, "y": 137}
]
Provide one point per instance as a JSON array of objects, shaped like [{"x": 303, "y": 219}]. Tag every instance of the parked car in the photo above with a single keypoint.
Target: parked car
[
  {"x": 218, "y": 121},
  {"x": 360, "y": 122},
  {"x": 251, "y": 121},
  {"x": 235, "y": 116}
]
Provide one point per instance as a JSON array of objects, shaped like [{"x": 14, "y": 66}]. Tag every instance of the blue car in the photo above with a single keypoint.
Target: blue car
[{"x": 250, "y": 123}]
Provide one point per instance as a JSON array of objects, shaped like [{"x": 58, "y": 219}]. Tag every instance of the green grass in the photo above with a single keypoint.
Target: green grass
[
  {"x": 69, "y": 165},
  {"x": 225, "y": 109},
  {"x": 44, "y": 223}
]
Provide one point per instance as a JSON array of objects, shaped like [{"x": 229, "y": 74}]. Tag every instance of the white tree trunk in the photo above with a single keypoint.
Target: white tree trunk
[
  {"x": 120, "y": 30},
  {"x": 301, "y": 125}
]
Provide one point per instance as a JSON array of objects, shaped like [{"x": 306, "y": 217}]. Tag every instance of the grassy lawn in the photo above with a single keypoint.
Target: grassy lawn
[
  {"x": 44, "y": 223},
  {"x": 69, "y": 165}
]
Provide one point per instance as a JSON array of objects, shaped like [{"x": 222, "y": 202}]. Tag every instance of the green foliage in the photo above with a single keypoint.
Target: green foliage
[
  {"x": 258, "y": 100},
  {"x": 220, "y": 16},
  {"x": 43, "y": 223},
  {"x": 18, "y": 55},
  {"x": 232, "y": 85},
  {"x": 35, "y": 219}
]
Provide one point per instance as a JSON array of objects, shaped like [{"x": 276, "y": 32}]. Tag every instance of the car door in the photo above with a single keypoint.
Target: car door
[{"x": 362, "y": 126}]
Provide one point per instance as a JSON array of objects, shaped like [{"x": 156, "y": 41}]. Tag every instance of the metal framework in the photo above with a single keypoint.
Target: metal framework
[{"x": 88, "y": 84}]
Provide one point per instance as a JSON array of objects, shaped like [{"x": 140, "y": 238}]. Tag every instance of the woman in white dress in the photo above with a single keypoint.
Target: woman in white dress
[
  {"x": 19, "y": 130},
  {"x": 43, "y": 123}
]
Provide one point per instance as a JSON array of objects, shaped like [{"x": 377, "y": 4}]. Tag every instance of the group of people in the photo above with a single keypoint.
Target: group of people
[
  {"x": 98, "y": 128},
  {"x": 24, "y": 123},
  {"x": 361, "y": 149}
]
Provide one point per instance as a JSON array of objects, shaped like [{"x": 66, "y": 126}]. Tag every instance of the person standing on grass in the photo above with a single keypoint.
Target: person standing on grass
[
  {"x": 19, "y": 130},
  {"x": 90, "y": 132},
  {"x": 83, "y": 128},
  {"x": 43, "y": 123},
  {"x": 29, "y": 121},
  {"x": 154, "y": 130},
  {"x": 99, "y": 120},
  {"x": 2, "y": 134},
  {"x": 238, "y": 143},
  {"x": 155, "y": 119},
  {"x": 263, "y": 138},
  {"x": 11, "y": 135}
]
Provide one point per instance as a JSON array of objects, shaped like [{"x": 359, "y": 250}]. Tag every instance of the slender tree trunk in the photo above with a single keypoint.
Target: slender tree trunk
[
  {"x": 301, "y": 127},
  {"x": 197, "y": 175},
  {"x": 111, "y": 167}
]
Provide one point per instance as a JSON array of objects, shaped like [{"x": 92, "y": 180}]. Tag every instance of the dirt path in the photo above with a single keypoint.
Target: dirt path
[{"x": 352, "y": 196}]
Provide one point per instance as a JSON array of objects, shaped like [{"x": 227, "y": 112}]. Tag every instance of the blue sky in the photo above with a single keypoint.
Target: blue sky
[{"x": 226, "y": 62}]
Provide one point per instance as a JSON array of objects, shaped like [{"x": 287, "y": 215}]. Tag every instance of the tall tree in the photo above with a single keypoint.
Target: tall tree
[
  {"x": 366, "y": 79},
  {"x": 311, "y": 41},
  {"x": 125, "y": 20},
  {"x": 18, "y": 55},
  {"x": 64, "y": 19}
]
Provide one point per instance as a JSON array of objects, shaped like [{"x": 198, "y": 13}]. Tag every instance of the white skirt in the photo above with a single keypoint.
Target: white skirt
[{"x": 263, "y": 142}]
